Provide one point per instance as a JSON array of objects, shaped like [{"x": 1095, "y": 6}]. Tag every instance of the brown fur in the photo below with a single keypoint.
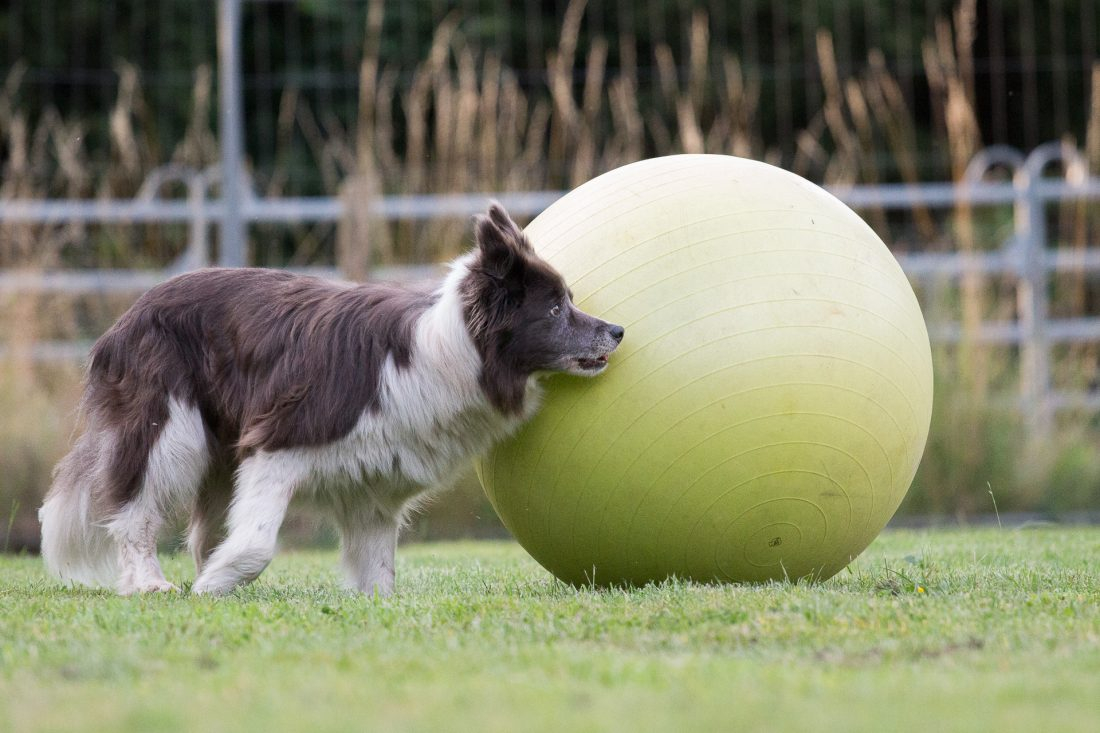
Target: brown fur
[{"x": 272, "y": 360}]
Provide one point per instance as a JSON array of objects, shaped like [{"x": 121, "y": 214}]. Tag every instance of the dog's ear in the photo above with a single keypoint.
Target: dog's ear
[
  {"x": 502, "y": 244},
  {"x": 508, "y": 226}
]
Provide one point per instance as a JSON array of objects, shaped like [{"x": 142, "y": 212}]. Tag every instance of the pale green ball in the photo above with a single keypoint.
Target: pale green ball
[{"x": 767, "y": 409}]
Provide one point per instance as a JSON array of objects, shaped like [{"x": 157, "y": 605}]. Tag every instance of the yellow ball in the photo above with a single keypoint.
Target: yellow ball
[{"x": 767, "y": 409}]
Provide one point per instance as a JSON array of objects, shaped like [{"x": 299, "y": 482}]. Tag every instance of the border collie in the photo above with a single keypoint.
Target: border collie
[{"x": 230, "y": 391}]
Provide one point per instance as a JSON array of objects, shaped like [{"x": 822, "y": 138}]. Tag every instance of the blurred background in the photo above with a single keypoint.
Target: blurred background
[{"x": 139, "y": 138}]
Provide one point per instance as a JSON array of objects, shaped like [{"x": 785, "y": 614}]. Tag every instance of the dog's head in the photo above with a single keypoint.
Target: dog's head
[{"x": 521, "y": 315}]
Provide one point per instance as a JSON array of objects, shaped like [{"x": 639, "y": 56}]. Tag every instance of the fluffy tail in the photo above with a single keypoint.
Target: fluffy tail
[{"x": 75, "y": 543}]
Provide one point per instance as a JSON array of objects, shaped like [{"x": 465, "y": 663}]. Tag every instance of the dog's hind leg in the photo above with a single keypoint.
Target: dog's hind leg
[
  {"x": 174, "y": 469},
  {"x": 264, "y": 486}
]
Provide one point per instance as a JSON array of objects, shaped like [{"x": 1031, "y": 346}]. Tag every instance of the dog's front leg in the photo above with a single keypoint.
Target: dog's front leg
[
  {"x": 264, "y": 486},
  {"x": 368, "y": 543}
]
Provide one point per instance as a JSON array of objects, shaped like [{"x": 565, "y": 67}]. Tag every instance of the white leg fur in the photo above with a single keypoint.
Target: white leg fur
[
  {"x": 265, "y": 484},
  {"x": 368, "y": 543},
  {"x": 175, "y": 467}
]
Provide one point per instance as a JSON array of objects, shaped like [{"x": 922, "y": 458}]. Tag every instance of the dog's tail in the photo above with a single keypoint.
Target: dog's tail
[{"x": 75, "y": 544}]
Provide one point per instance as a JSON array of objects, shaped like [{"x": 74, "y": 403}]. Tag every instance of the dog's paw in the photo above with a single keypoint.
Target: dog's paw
[
  {"x": 201, "y": 588},
  {"x": 214, "y": 585},
  {"x": 152, "y": 585}
]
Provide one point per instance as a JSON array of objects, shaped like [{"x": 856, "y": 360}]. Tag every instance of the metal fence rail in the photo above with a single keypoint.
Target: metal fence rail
[{"x": 1026, "y": 256}]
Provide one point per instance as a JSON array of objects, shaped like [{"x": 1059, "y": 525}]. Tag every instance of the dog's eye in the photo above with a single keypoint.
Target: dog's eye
[{"x": 555, "y": 311}]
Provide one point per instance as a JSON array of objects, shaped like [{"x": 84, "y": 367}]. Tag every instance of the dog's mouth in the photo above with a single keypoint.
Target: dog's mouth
[{"x": 590, "y": 364}]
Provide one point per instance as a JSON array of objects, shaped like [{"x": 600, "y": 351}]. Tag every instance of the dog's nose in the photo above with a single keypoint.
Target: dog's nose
[{"x": 617, "y": 332}]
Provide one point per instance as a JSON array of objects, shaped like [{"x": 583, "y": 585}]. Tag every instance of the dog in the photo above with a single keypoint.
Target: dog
[{"x": 231, "y": 391}]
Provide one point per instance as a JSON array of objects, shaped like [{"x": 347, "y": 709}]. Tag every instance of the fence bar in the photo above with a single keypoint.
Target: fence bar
[
  {"x": 1084, "y": 401},
  {"x": 955, "y": 265},
  {"x": 462, "y": 205},
  {"x": 435, "y": 206},
  {"x": 138, "y": 281},
  {"x": 1007, "y": 332},
  {"x": 29, "y": 211},
  {"x": 1061, "y": 331},
  {"x": 1073, "y": 330},
  {"x": 1073, "y": 260},
  {"x": 231, "y": 116},
  {"x": 936, "y": 195},
  {"x": 82, "y": 281},
  {"x": 1026, "y": 256}
]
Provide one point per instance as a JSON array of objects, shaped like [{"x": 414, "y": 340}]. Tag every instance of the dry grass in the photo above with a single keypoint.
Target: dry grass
[{"x": 462, "y": 121}]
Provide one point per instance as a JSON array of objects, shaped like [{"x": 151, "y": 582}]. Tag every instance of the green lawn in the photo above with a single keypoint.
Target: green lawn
[{"x": 929, "y": 631}]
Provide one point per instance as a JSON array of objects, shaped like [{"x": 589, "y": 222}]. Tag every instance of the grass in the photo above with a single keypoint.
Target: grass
[{"x": 939, "y": 630}]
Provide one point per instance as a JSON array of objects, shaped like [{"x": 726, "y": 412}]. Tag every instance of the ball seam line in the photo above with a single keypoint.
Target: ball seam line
[
  {"x": 824, "y": 517},
  {"x": 567, "y": 455},
  {"x": 760, "y": 230},
  {"x": 847, "y": 498},
  {"x": 659, "y": 438},
  {"x": 703, "y": 317},
  {"x": 649, "y": 488},
  {"x": 599, "y": 204},
  {"x": 908, "y": 306}
]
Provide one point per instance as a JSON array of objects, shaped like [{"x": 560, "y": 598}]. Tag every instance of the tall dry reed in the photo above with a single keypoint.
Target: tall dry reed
[{"x": 462, "y": 121}]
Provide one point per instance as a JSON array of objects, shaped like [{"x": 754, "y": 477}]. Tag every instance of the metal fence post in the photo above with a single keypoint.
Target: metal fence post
[
  {"x": 1031, "y": 295},
  {"x": 197, "y": 253},
  {"x": 231, "y": 111},
  {"x": 198, "y": 250}
]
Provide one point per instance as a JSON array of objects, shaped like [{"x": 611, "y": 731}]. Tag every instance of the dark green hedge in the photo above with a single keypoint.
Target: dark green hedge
[{"x": 1032, "y": 56}]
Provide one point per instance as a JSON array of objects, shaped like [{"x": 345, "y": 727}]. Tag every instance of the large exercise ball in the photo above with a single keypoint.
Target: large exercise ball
[{"x": 767, "y": 409}]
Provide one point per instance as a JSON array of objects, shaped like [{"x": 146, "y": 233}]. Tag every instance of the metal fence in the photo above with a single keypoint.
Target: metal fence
[{"x": 1025, "y": 258}]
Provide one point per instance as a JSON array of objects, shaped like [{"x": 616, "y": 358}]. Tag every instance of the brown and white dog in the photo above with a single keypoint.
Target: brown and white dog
[{"x": 231, "y": 391}]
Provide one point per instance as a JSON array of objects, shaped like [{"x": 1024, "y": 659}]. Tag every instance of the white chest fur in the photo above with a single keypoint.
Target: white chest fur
[{"x": 432, "y": 416}]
